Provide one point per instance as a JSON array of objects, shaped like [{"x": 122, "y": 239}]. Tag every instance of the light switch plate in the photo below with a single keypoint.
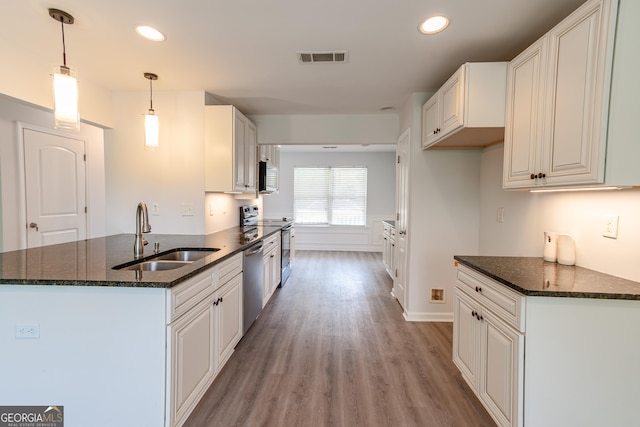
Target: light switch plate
[
  {"x": 500, "y": 214},
  {"x": 611, "y": 226}
]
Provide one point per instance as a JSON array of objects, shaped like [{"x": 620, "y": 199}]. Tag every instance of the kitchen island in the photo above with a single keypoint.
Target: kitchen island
[
  {"x": 544, "y": 344},
  {"x": 114, "y": 347}
]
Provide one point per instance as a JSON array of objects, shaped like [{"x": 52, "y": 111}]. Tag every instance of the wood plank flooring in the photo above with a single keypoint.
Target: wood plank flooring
[{"x": 331, "y": 349}]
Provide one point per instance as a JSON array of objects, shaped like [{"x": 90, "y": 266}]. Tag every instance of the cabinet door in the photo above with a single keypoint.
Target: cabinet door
[
  {"x": 240, "y": 124},
  {"x": 276, "y": 271},
  {"x": 466, "y": 333},
  {"x": 452, "y": 103},
  {"x": 575, "y": 97},
  {"x": 523, "y": 127},
  {"x": 250, "y": 157},
  {"x": 192, "y": 359},
  {"x": 430, "y": 121},
  {"x": 266, "y": 278},
  {"x": 501, "y": 378},
  {"x": 392, "y": 256},
  {"x": 229, "y": 319}
]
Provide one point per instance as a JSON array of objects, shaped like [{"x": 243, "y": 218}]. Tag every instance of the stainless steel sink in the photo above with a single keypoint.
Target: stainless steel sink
[
  {"x": 154, "y": 265},
  {"x": 189, "y": 255},
  {"x": 170, "y": 260}
]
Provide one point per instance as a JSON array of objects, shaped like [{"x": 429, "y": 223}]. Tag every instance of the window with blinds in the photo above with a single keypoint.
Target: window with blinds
[{"x": 328, "y": 195}]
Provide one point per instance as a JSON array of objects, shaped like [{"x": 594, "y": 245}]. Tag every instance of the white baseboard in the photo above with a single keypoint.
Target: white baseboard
[{"x": 428, "y": 317}]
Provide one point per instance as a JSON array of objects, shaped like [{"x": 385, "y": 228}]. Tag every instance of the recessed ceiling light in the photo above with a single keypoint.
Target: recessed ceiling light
[
  {"x": 433, "y": 25},
  {"x": 150, "y": 33}
]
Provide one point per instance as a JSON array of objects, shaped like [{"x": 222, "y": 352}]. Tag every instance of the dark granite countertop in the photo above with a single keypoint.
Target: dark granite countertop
[
  {"x": 536, "y": 277},
  {"x": 90, "y": 262},
  {"x": 390, "y": 222}
]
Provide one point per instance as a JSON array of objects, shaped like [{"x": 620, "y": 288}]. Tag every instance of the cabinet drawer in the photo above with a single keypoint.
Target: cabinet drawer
[
  {"x": 271, "y": 241},
  {"x": 227, "y": 270},
  {"x": 507, "y": 304},
  {"x": 188, "y": 294}
]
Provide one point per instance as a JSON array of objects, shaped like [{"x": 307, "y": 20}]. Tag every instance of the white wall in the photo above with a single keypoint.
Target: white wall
[
  {"x": 99, "y": 348},
  {"x": 443, "y": 217},
  {"x": 27, "y": 77},
  {"x": 581, "y": 214},
  {"x": 223, "y": 210},
  {"x": 327, "y": 129},
  {"x": 380, "y": 199},
  {"x": 13, "y": 111},
  {"x": 170, "y": 176}
]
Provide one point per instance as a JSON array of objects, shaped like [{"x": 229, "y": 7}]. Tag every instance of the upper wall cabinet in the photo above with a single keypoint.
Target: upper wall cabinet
[
  {"x": 468, "y": 110},
  {"x": 557, "y": 102},
  {"x": 230, "y": 150}
]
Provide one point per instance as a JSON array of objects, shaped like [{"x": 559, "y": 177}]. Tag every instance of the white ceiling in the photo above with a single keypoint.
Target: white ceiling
[{"x": 244, "y": 51}]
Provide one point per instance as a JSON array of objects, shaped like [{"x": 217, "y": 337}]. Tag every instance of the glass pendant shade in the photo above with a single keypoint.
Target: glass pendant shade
[
  {"x": 65, "y": 92},
  {"x": 151, "y": 126}
]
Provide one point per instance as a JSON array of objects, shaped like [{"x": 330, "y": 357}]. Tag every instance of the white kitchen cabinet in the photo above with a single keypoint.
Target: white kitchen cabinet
[
  {"x": 388, "y": 247},
  {"x": 271, "y": 266},
  {"x": 468, "y": 110},
  {"x": 193, "y": 362},
  {"x": 230, "y": 150},
  {"x": 205, "y": 324},
  {"x": 557, "y": 102},
  {"x": 488, "y": 344},
  {"x": 228, "y": 319}
]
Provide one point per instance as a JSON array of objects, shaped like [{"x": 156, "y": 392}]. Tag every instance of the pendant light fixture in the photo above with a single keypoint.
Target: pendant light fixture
[
  {"x": 151, "y": 123},
  {"x": 65, "y": 85}
]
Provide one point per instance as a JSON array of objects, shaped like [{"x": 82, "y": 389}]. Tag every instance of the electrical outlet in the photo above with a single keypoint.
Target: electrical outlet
[
  {"x": 500, "y": 214},
  {"x": 27, "y": 331},
  {"x": 155, "y": 209},
  {"x": 437, "y": 295},
  {"x": 187, "y": 209},
  {"x": 611, "y": 227}
]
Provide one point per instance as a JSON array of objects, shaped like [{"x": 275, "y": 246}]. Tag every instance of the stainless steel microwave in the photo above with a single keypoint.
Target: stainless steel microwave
[{"x": 267, "y": 177}]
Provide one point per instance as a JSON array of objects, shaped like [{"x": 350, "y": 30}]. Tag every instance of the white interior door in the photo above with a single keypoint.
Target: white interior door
[
  {"x": 402, "y": 208},
  {"x": 55, "y": 182}
]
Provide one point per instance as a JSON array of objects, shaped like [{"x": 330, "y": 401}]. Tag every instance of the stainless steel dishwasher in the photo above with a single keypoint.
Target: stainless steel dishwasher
[{"x": 252, "y": 283}]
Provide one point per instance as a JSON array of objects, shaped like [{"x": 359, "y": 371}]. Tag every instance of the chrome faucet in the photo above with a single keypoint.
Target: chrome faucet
[{"x": 142, "y": 226}]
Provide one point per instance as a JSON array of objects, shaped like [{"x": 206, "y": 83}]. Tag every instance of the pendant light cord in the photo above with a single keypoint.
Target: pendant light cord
[
  {"x": 64, "y": 47},
  {"x": 151, "y": 94}
]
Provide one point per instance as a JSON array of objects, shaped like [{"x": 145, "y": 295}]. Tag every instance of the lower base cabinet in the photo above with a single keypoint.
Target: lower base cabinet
[
  {"x": 388, "y": 248},
  {"x": 206, "y": 325},
  {"x": 488, "y": 348},
  {"x": 193, "y": 359},
  {"x": 271, "y": 269}
]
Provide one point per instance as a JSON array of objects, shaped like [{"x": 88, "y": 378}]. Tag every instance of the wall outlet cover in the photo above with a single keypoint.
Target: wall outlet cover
[
  {"x": 27, "y": 331},
  {"x": 611, "y": 227}
]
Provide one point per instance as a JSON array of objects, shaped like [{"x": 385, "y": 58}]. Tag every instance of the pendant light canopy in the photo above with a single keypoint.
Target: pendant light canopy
[
  {"x": 65, "y": 84},
  {"x": 151, "y": 124}
]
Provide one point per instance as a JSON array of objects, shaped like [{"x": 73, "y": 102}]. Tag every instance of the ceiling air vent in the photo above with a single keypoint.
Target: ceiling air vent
[{"x": 310, "y": 57}]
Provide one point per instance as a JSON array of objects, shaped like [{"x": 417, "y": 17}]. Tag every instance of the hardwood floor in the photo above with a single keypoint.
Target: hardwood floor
[{"x": 331, "y": 349}]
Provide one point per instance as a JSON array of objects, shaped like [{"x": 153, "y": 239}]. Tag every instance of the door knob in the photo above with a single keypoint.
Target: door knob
[{"x": 33, "y": 225}]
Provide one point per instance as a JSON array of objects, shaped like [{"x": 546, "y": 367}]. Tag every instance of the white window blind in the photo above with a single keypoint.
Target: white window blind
[{"x": 326, "y": 195}]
